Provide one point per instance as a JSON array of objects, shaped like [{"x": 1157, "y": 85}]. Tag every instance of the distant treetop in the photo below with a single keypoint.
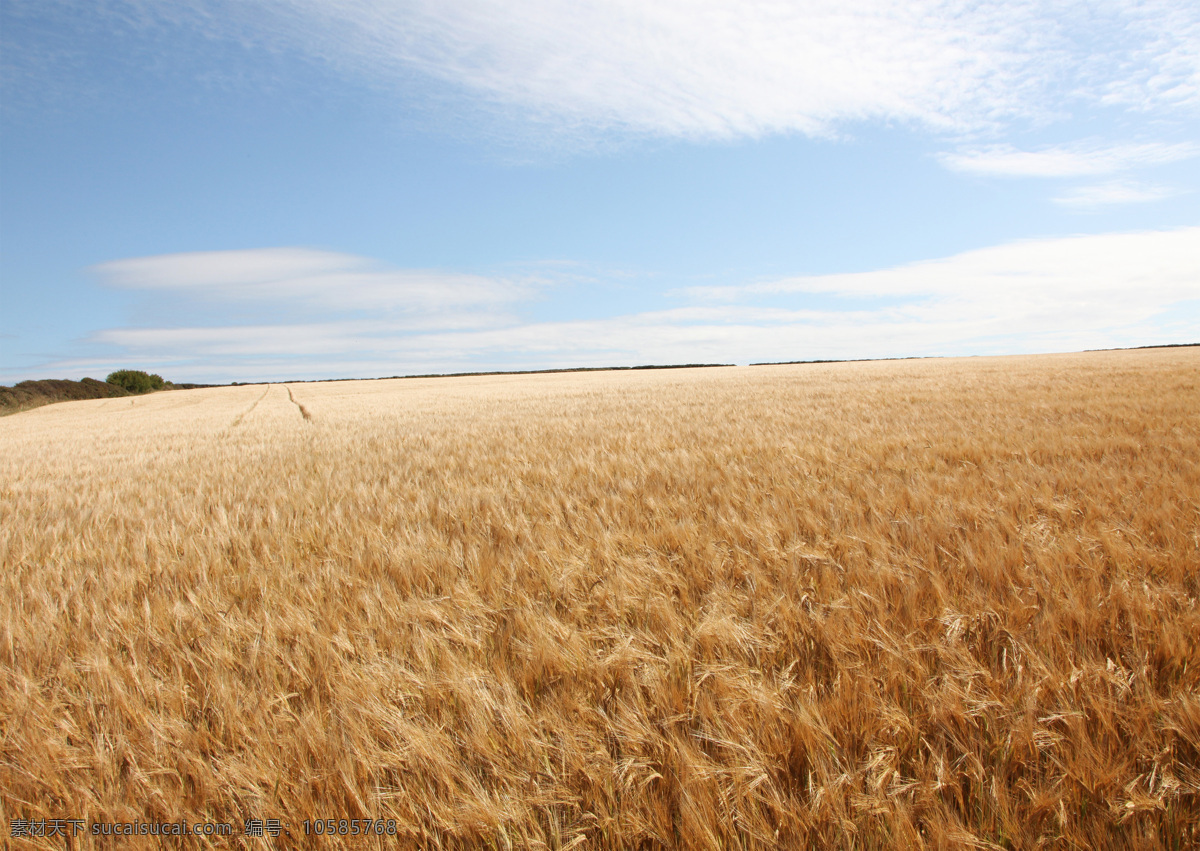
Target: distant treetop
[{"x": 136, "y": 381}]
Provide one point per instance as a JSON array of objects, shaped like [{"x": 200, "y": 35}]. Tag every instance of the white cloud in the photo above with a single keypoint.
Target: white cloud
[
  {"x": 309, "y": 279},
  {"x": 1067, "y": 160},
  {"x": 716, "y": 69},
  {"x": 1114, "y": 192},
  {"x": 1151, "y": 267},
  {"x": 1041, "y": 295},
  {"x": 1165, "y": 66}
]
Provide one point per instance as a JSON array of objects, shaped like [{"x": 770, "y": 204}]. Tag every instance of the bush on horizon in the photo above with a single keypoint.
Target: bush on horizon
[{"x": 136, "y": 381}]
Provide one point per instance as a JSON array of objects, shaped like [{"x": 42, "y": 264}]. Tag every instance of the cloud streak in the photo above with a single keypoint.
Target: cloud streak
[
  {"x": 1039, "y": 295},
  {"x": 1151, "y": 266},
  {"x": 1078, "y": 160},
  {"x": 309, "y": 279},
  {"x": 1114, "y": 192},
  {"x": 724, "y": 69}
]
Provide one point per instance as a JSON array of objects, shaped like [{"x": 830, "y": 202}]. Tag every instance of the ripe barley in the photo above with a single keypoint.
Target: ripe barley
[{"x": 906, "y": 604}]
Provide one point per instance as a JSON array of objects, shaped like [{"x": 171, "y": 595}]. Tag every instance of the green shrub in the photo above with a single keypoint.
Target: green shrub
[{"x": 135, "y": 381}]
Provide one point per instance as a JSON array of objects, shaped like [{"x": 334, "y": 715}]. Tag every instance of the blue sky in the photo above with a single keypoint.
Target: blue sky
[{"x": 222, "y": 190}]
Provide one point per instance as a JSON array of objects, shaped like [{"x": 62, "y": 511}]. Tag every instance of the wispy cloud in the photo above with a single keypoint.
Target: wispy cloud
[
  {"x": 1077, "y": 160},
  {"x": 721, "y": 69},
  {"x": 1155, "y": 267},
  {"x": 1114, "y": 192},
  {"x": 1039, "y": 295},
  {"x": 308, "y": 279}
]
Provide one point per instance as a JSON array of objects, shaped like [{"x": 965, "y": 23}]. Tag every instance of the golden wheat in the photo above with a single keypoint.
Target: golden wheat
[{"x": 940, "y": 604}]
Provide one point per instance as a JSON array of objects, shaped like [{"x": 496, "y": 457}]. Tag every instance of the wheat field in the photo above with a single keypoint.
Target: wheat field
[{"x": 911, "y": 604}]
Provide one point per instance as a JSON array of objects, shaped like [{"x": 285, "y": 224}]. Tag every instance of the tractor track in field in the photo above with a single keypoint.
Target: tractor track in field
[
  {"x": 238, "y": 419},
  {"x": 303, "y": 410}
]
